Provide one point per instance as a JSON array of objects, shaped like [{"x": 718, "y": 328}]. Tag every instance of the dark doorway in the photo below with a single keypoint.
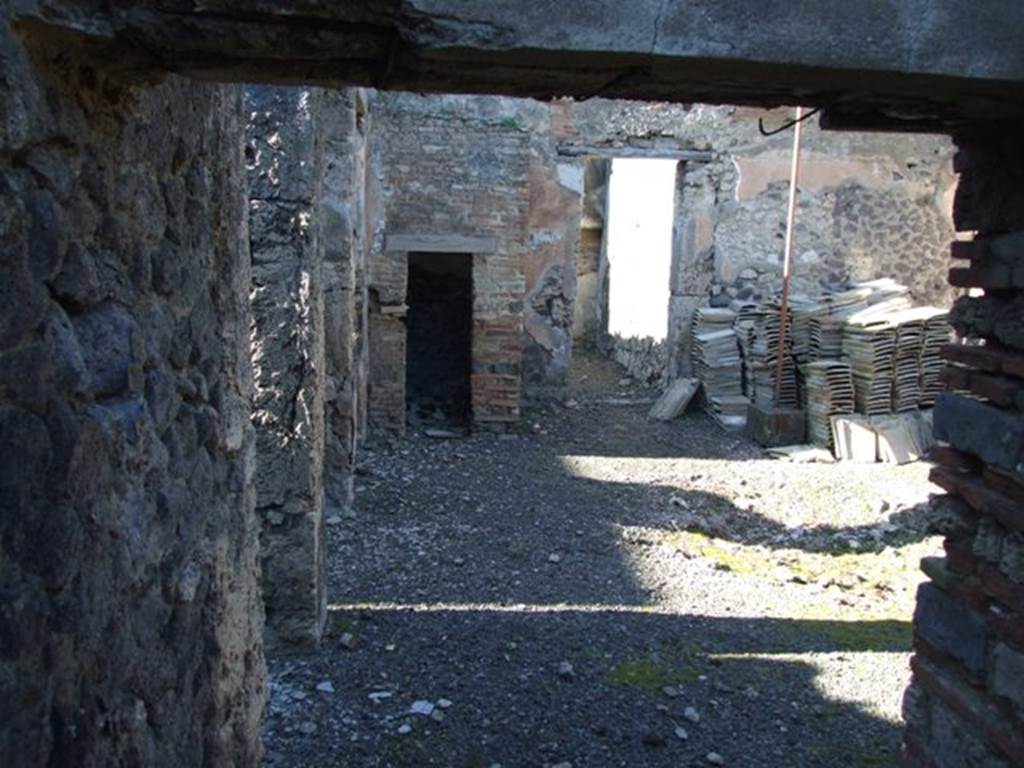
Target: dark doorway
[{"x": 439, "y": 331}]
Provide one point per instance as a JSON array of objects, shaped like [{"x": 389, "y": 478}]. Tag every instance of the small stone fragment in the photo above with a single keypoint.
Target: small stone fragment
[
  {"x": 671, "y": 691},
  {"x": 444, "y": 703},
  {"x": 347, "y": 641},
  {"x": 681, "y": 733},
  {"x": 715, "y": 759},
  {"x": 422, "y": 707},
  {"x": 404, "y": 729},
  {"x": 691, "y": 714},
  {"x": 652, "y": 739},
  {"x": 566, "y": 671},
  {"x": 554, "y": 558},
  {"x": 325, "y": 687}
]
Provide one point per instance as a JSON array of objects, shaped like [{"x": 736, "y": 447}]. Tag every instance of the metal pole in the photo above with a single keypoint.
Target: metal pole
[{"x": 787, "y": 257}]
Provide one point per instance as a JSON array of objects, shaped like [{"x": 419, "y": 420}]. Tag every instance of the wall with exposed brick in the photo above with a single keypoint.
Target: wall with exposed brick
[
  {"x": 452, "y": 166},
  {"x": 965, "y": 705}
]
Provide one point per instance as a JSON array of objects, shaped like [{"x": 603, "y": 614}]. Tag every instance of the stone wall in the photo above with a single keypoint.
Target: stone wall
[
  {"x": 130, "y": 618},
  {"x": 965, "y": 705},
  {"x": 306, "y": 155},
  {"x": 284, "y": 149},
  {"x": 870, "y": 205},
  {"x": 344, "y": 237},
  {"x": 552, "y": 247},
  {"x": 588, "y": 316}
]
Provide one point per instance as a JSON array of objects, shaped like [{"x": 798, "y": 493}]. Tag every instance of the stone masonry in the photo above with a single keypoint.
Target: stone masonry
[
  {"x": 966, "y": 702},
  {"x": 343, "y": 235},
  {"x": 284, "y": 151},
  {"x": 130, "y": 616},
  {"x": 305, "y": 150},
  {"x": 870, "y": 206}
]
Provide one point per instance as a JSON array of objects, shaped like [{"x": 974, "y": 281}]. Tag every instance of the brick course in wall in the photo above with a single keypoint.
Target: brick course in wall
[
  {"x": 965, "y": 705},
  {"x": 445, "y": 173}
]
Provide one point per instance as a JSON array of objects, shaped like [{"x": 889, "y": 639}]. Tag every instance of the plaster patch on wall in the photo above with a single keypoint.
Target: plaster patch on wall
[
  {"x": 570, "y": 176},
  {"x": 818, "y": 172}
]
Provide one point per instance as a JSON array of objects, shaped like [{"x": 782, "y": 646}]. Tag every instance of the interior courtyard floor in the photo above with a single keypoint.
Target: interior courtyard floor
[{"x": 601, "y": 590}]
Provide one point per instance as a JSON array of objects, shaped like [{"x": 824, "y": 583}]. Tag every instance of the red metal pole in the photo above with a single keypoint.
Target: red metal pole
[{"x": 787, "y": 257}]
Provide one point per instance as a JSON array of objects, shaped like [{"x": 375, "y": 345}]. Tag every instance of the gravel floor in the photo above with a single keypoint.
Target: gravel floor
[{"x": 603, "y": 591}]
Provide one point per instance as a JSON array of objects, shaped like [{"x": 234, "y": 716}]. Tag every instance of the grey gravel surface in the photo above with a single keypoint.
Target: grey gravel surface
[{"x": 606, "y": 591}]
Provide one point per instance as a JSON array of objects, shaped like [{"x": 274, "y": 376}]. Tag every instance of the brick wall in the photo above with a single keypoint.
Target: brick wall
[
  {"x": 965, "y": 705},
  {"x": 452, "y": 166}
]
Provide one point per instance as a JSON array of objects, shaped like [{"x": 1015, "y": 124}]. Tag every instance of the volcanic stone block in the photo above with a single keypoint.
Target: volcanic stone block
[
  {"x": 1006, "y": 678},
  {"x": 288, "y": 356},
  {"x": 952, "y": 628},
  {"x": 993, "y": 434},
  {"x": 771, "y": 426}
]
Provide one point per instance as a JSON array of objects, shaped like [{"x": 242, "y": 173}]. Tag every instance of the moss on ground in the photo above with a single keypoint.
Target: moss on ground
[{"x": 649, "y": 674}]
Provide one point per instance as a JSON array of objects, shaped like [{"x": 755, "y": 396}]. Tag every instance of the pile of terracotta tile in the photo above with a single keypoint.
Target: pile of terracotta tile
[
  {"x": 745, "y": 326},
  {"x": 829, "y": 388},
  {"x": 716, "y": 362},
  {"x": 870, "y": 348},
  {"x": 763, "y": 357},
  {"x": 937, "y": 333}
]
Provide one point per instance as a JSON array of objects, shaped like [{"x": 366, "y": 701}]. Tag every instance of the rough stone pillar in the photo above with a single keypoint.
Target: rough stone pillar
[
  {"x": 693, "y": 245},
  {"x": 130, "y": 619},
  {"x": 284, "y": 149},
  {"x": 342, "y": 232},
  {"x": 965, "y": 705}
]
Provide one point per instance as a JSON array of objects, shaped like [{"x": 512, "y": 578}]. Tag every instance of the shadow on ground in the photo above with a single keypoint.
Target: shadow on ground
[
  {"x": 634, "y": 677},
  {"x": 472, "y": 569}
]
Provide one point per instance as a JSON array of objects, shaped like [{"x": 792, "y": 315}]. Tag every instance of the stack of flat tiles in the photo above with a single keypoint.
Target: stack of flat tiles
[
  {"x": 906, "y": 370},
  {"x": 745, "y": 325},
  {"x": 764, "y": 354},
  {"x": 830, "y": 393},
  {"x": 716, "y": 362},
  {"x": 826, "y": 338},
  {"x": 937, "y": 333},
  {"x": 870, "y": 349},
  {"x": 824, "y": 318},
  {"x": 802, "y": 313},
  {"x": 884, "y": 289}
]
